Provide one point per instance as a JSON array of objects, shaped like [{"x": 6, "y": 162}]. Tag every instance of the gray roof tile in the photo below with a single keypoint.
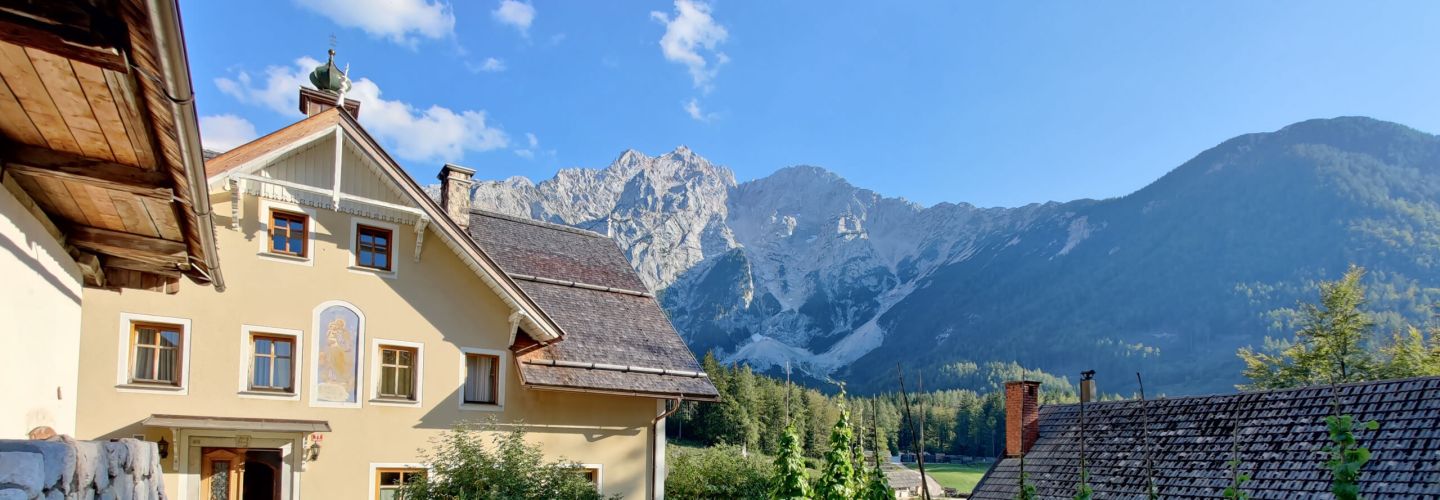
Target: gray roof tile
[
  {"x": 1281, "y": 435},
  {"x": 600, "y": 326}
]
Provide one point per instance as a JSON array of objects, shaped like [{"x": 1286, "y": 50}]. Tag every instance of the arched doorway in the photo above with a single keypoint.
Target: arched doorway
[{"x": 259, "y": 482}]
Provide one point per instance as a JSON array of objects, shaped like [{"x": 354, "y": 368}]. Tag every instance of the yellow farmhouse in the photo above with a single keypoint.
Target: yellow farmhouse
[{"x": 361, "y": 318}]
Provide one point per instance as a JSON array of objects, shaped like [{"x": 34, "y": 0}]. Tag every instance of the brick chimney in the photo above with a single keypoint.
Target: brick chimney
[
  {"x": 455, "y": 182},
  {"x": 1022, "y": 416}
]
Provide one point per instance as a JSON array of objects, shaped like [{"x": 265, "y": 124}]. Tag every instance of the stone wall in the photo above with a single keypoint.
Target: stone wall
[{"x": 62, "y": 468}]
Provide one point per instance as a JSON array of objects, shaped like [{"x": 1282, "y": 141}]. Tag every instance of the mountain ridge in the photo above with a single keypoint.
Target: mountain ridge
[{"x": 802, "y": 267}]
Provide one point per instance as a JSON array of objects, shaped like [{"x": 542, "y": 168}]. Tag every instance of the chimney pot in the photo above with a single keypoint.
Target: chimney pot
[
  {"x": 455, "y": 182},
  {"x": 1022, "y": 416}
]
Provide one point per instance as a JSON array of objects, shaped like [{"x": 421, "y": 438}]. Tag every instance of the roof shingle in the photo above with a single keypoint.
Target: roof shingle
[
  {"x": 565, "y": 271},
  {"x": 1281, "y": 435}
]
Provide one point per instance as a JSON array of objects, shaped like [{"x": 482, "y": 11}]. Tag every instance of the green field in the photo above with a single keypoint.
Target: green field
[{"x": 958, "y": 476}]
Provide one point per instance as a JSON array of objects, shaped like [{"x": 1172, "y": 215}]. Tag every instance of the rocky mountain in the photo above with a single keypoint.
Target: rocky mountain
[{"x": 801, "y": 267}]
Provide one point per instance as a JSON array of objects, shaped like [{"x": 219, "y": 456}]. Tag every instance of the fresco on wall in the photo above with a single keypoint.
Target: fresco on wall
[{"x": 338, "y": 364}]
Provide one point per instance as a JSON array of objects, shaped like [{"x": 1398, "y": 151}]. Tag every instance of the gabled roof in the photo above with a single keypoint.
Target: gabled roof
[
  {"x": 1281, "y": 438},
  {"x": 618, "y": 339},
  {"x": 256, "y": 154}
]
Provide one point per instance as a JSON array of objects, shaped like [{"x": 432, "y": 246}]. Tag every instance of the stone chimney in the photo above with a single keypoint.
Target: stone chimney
[
  {"x": 1087, "y": 386},
  {"x": 455, "y": 182},
  {"x": 1022, "y": 416}
]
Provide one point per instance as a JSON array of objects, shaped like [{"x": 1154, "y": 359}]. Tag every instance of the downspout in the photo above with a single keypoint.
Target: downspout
[
  {"x": 654, "y": 454},
  {"x": 170, "y": 40}
]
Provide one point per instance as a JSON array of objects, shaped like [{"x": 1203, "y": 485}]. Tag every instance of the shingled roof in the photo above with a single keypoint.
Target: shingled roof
[
  {"x": 1281, "y": 438},
  {"x": 617, "y": 339}
]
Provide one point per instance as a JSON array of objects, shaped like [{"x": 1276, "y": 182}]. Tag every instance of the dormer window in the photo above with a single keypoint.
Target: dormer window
[
  {"x": 373, "y": 247},
  {"x": 289, "y": 233}
]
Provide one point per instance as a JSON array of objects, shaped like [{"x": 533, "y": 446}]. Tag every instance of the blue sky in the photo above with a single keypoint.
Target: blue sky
[{"x": 992, "y": 103}]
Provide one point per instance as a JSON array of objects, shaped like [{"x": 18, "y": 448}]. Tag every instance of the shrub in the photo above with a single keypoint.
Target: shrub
[
  {"x": 716, "y": 472},
  {"x": 462, "y": 465}
]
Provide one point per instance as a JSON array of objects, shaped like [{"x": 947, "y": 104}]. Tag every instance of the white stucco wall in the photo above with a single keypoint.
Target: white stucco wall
[{"x": 39, "y": 324}]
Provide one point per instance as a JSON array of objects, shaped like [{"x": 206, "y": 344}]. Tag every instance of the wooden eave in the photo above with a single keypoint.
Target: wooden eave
[{"x": 90, "y": 132}]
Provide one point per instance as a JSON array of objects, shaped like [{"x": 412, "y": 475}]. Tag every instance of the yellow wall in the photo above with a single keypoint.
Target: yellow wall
[
  {"x": 438, "y": 302},
  {"x": 39, "y": 323}
]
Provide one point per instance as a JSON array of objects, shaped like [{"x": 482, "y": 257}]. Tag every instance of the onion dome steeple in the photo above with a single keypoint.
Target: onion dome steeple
[
  {"x": 331, "y": 84},
  {"x": 329, "y": 78}
]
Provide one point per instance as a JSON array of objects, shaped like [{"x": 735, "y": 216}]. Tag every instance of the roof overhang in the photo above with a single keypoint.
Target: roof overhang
[
  {"x": 100, "y": 133},
  {"x": 236, "y": 423}
]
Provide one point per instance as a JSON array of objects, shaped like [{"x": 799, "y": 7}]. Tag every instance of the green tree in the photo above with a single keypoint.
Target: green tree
[
  {"x": 790, "y": 480},
  {"x": 1411, "y": 354},
  {"x": 877, "y": 486},
  {"x": 463, "y": 466},
  {"x": 1331, "y": 345},
  {"x": 837, "y": 476}
]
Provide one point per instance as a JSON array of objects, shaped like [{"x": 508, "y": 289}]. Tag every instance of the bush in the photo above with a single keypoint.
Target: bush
[
  {"x": 463, "y": 466},
  {"x": 716, "y": 472}
]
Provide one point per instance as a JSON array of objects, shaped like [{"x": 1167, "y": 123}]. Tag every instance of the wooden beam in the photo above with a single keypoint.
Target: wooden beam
[
  {"x": 146, "y": 267},
  {"x": 30, "y": 160},
  {"x": 90, "y": 268},
  {"x": 65, "y": 41},
  {"x": 165, "y": 253}
]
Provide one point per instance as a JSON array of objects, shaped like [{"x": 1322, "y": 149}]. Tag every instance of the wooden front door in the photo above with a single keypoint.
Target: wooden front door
[
  {"x": 220, "y": 474},
  {"x": 239, "y": 474}
]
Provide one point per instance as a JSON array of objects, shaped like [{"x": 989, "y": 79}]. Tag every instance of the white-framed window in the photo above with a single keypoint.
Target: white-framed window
[
  {"x": 374, "y": 248},
  {"x": 288, "y": 232},
  {"x": 153, "y": 354},
  {"x": 270, "y": 362},
  {"x": 482, "y": 379},
  {"x": 595, "y": 474},
  {"x": 387, "y": 480},
  {"x": 397, "y": 372}
]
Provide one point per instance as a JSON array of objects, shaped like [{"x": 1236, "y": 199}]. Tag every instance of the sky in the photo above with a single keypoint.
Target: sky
[{"x": 990, "y": 103}]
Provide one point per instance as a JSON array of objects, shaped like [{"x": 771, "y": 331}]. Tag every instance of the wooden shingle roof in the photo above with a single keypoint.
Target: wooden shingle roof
[
  {"x": 612, "y": 323},
  {"x": 1281, "y": 438}
]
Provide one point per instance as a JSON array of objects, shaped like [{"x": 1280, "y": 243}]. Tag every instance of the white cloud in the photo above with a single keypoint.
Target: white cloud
[
  {"x": 515, "y": 13},
  {"x": 688, "y": 34},
  {"x": 435, "y": 133},
  {"x": 492, "y": 65},
  {"x": 396, "y": 20},
  {"x": 692, "y": 108},
  {"x": 224, "y": 132},
  {"x": 529, "y": 152}
]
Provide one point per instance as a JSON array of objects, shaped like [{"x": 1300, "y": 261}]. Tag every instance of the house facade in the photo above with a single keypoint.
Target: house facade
[{"x": 362, "y": 319}]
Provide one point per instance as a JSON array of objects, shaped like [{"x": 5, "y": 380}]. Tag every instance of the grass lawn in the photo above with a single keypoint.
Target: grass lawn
[{"x": 958, "y": 476}]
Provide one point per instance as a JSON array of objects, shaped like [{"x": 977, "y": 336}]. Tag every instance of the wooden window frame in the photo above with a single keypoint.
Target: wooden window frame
[
  {"x": 304, "y": 232},
  {"x": 404, "y": 472},
  {"x": 414, "y": 369},
  {"x": 134, "y": 355},
  {"x": 272, "y": 337},
  {"x": 494, "y": 379},
  {"x": 361, "y": 229}
]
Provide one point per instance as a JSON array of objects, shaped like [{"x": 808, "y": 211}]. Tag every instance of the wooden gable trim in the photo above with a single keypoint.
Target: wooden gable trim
[
  {"x": 532, "y": 316},
  {"x": 252, "y": 156}
]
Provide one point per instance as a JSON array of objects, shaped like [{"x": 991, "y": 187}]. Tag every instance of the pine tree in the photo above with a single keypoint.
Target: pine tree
[
  {"x": 1411, "y": 354},
  {"x": 837, "y": 476},
  {"x": 1330, "y": 346},
  {"x": 791, "y": 482}
]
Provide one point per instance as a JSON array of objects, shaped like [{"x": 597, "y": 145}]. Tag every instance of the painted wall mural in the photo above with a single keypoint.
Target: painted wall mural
[{"x": 337, "y": 355}]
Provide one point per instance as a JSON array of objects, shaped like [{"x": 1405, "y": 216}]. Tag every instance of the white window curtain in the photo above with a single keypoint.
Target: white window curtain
[{"x": 479, "y": 388}]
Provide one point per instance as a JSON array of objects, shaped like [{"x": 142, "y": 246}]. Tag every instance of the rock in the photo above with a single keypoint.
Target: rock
[{"x": 25, "y": 470}]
